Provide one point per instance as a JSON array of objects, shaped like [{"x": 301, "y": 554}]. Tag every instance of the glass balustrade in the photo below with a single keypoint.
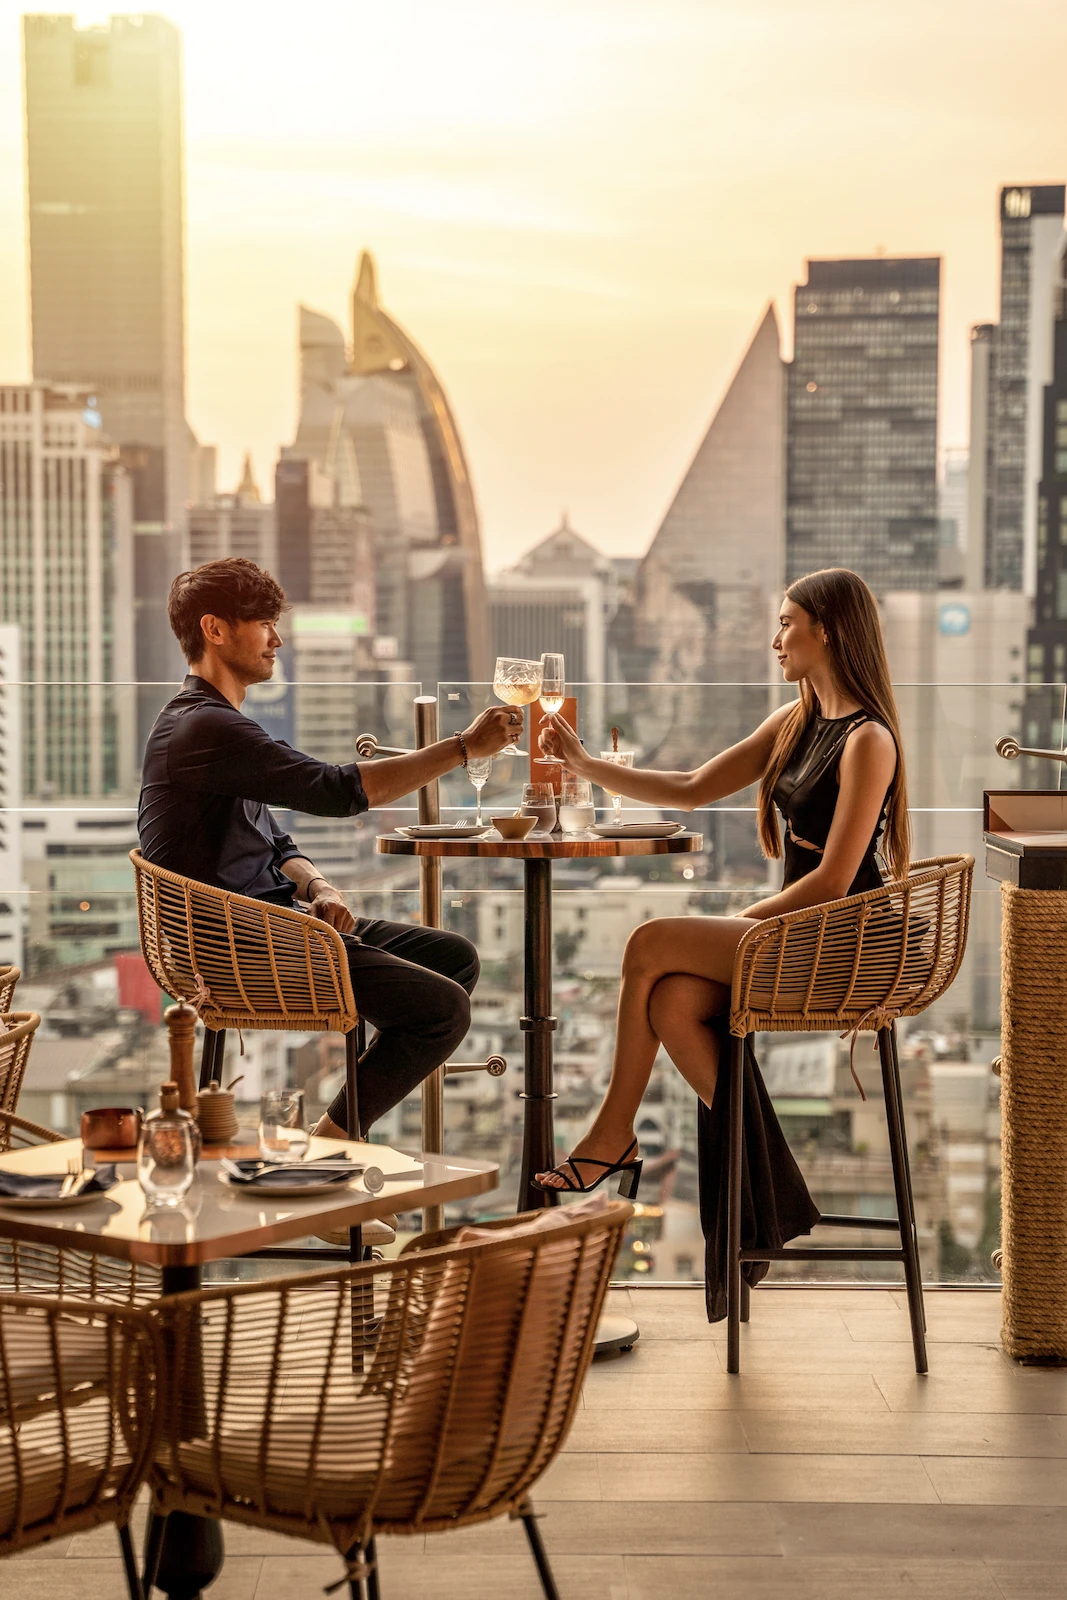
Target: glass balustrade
[{"x": 67, "y": 912}]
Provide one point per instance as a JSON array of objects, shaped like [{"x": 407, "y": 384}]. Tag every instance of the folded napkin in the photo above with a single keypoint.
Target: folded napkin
[
  {"x": 46, "y": 1185},
  {"x": 291, "y": 1175}
]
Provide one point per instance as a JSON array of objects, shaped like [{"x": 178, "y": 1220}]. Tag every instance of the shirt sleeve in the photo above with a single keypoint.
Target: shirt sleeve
[
  {"x": 283, "y": 842},
  {"x": 214, "y": 751}
]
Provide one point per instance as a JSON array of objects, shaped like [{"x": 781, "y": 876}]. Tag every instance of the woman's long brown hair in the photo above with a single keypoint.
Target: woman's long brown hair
[{"x": 845, "y": 606}]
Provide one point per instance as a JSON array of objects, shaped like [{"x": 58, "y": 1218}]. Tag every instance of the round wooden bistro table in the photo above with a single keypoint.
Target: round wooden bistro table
[{"x": 537, "y": 854}]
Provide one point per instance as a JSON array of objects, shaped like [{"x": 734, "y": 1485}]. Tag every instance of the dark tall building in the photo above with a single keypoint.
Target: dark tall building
[
  {"x": 1046, "y": 655},
  {"x": 861, "y": 477},
  {"x": 104, "y": 179},
  {"x": 1006, "y": 421}
]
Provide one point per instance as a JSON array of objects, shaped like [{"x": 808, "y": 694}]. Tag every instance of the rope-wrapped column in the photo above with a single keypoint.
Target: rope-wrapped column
[{"x": 1034, "y": 1121}]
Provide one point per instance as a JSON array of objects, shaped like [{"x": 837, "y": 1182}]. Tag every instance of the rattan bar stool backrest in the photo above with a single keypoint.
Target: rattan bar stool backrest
[
  {"x": 17, "y": 1029},
  {"x": 859, "y": 962},
  {"x": 241, "y": 962},
  {"x": 464, "y": 1399},
  {"x": 9, "y": 976}
]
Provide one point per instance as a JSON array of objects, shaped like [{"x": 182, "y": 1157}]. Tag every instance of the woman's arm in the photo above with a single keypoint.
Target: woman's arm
[
  {"x": 868, "y": 763},
  {"x": 724, "y": 774}
]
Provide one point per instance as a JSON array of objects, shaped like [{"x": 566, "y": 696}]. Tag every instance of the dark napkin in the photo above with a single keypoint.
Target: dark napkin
[
  {"x": 291, "y": 1175},
  {"x": 46, "y": 1185}
]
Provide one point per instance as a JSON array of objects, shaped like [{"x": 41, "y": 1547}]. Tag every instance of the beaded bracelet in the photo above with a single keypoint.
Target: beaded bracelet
[{"x": 463, "y": 747}]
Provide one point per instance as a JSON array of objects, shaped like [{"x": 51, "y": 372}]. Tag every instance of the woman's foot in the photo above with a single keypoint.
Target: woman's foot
[{"x": 592, "y": 1160}]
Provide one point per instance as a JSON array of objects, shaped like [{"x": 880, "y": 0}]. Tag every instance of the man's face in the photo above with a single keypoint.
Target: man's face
[{"x": 247, "y": 649}]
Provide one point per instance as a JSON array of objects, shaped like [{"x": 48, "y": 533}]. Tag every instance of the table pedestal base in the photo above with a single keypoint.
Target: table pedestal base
[{"x": 615, "y": 1335}]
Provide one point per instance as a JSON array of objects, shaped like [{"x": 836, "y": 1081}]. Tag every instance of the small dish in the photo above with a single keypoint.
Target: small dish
[
  {"x": 638, "y": 830},
  {"x": 55, "y": 1202},
  {"x": 514, "y": 828},
  {"x": 442, "y": 830}
]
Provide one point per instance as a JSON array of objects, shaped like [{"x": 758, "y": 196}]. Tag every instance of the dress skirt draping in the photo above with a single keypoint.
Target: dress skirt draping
[{"x": 775, "y": 1203}]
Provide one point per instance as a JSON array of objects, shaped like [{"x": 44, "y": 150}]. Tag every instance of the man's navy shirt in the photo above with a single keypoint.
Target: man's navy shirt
[{"x": 209, "y": 775}]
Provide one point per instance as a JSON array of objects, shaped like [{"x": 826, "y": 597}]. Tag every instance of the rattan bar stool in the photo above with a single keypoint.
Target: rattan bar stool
[
  {"x": 17, "y": 1029},
  {"x": 850, "y": 965},
  {"x": 9, "y": 976}
]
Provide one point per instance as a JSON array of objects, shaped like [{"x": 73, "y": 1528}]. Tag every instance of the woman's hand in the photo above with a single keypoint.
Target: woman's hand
[{"x": 559, "y": 739}]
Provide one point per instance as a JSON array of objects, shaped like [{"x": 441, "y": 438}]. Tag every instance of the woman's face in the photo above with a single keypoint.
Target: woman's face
[{"x": 800, "y": 643}]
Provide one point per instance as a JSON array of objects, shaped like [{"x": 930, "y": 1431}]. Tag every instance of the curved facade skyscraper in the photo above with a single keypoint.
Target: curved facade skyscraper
[{"x": 376, "y": 432}]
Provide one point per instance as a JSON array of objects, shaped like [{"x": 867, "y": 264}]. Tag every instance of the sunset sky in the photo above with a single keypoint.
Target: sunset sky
[{"x": 579, "y": 208}]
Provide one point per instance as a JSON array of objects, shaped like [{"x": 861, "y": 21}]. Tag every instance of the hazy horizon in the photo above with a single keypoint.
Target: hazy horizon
[{"x": 578, "y": 212}]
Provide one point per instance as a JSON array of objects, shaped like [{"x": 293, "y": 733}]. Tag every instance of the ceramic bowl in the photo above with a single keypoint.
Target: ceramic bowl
[{"x": 514, "y": 827}]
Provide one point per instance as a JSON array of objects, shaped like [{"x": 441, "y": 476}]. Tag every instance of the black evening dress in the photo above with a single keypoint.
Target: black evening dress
[{"x": 775, "y": 1203}]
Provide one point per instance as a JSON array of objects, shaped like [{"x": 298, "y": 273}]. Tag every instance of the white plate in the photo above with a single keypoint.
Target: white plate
[
  {"x": 54, "y": 1202},
  {"x": 281, "y": 1191},
  {"x": 442, "y": 830},
  {"x": 638, "y": 830}
]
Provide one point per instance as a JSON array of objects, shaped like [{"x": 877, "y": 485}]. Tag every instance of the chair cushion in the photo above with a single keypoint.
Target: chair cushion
[{"x": 82, "y": 1360}]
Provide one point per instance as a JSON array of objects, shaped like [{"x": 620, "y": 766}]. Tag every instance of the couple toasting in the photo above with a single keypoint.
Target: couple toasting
[{"x": 830, "y": 762}]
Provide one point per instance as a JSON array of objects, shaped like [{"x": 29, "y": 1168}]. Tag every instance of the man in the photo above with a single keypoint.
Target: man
[{"x": 209, "y": 776}]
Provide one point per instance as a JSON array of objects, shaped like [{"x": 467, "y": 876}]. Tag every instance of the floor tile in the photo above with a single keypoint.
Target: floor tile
[
  {"x": 963, "y": 1480},
  {"x": 572, "y": 1476},
  {"x": 930, "y": 1532},
  {"x": 1030, "y": 1580},
  {"x": 623, "y": 1528},
  {"x": 650, "y": 1428},
  {"x": 905, "y": 1433},
  {"x": 659, "y": 1355},
  {"x": 982, "y": 1390},
  {"x": 790, "y": 1579},
  {"x": 443, "y": 1573},
  {"x": 741, "y": 1392},
  {"x": 764, "y": 1478}
]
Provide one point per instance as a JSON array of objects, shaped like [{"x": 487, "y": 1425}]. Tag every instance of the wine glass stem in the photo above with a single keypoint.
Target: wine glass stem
[
  {"x": 616, "y": 809},
  {"x": 477, "y": 805}
]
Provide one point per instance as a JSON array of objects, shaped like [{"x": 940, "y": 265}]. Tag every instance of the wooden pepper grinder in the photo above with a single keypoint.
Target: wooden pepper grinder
[{"x": 181, "y": 1027}]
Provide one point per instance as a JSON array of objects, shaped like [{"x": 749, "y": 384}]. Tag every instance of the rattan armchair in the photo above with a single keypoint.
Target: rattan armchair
[
  {"x": 78, "y": 1419},
  {"x": 467, "y": 1397},
  {"x": 9, "y": 976},
  {"x": 17, "y": 1029},
  {"x": 854, "y": 964}
]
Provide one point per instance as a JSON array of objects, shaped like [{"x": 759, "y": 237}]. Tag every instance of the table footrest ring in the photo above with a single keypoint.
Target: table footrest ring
[{"x": 536, "y": 1024}]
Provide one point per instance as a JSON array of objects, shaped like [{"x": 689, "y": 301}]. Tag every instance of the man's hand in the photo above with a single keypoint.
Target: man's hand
[
  {"x": 329, "y": 907},
  {"x": 495, "y": 728}
]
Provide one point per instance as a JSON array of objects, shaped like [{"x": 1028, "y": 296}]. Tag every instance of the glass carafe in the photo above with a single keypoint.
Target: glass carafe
[{"x": 167, "y": 1151}]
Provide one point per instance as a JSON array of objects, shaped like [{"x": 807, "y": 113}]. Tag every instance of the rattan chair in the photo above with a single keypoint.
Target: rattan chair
[
  {"x": 466, "y": 1398},
  {"x": 17, "y": 1029},
  {"x": 79, "y": 1419},
  {"x": 9, "y": 976},
  {"x": 853, "y": 964}
]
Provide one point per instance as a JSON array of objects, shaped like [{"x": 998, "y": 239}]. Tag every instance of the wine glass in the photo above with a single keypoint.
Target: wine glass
[
  {"x": 283, "y": 1134},
  {"x": 478, "y": 770},
  {"x": 540, "y": 799},
  {"x": 618, "y": 758},
  {"x": 553, "y": 688},
  {"x": 517, "y": 683}
]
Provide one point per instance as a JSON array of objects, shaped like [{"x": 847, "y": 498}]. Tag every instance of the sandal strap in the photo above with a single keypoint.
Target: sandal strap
[{"x": 590, "y": 1161}]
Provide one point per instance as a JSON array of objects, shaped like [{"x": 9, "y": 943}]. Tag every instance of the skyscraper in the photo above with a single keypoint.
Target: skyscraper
[
  {"x": 104, "y": 174},
  {"x": 1007, "y": 430},
  {"x": 376, "y": 426},
  {"x": 11, "y": 881},
  {"x": 1046, "y": 655},
  {"x": 65, "y": 533},
  {"x": 862, "y": 422}
]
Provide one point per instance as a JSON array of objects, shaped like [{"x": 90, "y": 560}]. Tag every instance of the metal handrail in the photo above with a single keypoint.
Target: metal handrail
[{"x": 1011, "y": 750}]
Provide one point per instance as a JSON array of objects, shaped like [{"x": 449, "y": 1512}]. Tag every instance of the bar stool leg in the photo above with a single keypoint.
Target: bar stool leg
[
  {"x": 905, "y": 1204},
  {"x": 904, "y": 1147},
  {"x": 734, "y": 1152},
  {"x": 207, "y": 1057}
]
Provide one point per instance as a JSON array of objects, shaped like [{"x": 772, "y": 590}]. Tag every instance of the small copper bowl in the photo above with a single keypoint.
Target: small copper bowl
[{"x": 111, "y": 1127}]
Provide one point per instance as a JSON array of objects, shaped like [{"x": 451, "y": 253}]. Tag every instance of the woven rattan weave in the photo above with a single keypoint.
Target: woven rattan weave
[
  {"x": 78, "y": 1418},
  {"x": 17, "y": 1029},
  {"x": 9, "y": 976},
  {"x": 449, "y": 1418}
]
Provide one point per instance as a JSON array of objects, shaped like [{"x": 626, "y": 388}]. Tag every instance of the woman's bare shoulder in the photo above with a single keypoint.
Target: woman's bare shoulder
[{"x": 871, "y": 741}]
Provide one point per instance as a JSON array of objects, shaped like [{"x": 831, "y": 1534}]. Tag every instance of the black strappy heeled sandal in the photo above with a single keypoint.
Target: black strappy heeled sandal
[{"x": 631, "y": 1175}]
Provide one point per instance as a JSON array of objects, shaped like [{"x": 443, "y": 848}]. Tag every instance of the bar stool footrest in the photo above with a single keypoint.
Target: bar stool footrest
[
  {"x": 825, "y": 1253},
  {"x": 859, "y": 1222}
]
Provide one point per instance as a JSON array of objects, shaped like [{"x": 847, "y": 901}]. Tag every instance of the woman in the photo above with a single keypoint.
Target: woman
[{"x": 832, "y": 763}]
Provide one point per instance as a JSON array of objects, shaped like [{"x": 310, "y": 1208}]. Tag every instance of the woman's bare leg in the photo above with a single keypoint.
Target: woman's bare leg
[
  {"x": 700, "y": 947},
  {"x": 680, "y": 1010}
]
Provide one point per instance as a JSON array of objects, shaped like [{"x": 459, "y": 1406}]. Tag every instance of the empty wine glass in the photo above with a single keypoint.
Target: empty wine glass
[
  {"x": 478, "y": 770},
  {"x": 517, "y": 683},
  {"x": 618, "y": 758}
]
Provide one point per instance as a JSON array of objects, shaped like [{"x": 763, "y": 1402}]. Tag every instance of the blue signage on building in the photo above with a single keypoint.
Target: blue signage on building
[{"x": 954, "y": 619}]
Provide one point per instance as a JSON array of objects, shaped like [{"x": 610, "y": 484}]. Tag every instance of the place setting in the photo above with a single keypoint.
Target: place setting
[
  {"x": 283, "y": 1165},
  {"x": 79, "y": 1185}
]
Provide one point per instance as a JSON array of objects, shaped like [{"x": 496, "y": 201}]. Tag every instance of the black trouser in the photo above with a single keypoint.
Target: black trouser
[{"x": 412, "y": 985}]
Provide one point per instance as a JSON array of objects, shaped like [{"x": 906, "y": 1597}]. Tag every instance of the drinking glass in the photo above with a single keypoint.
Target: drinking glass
[
  {"x": 478, "y": 770},
  {"x": 576, "y": 812},
  {"x": 540, "y": 799},
  {"x": 283, "y": 1134},
  {"x": 552, "y": 684},
  {"x": 517, "y": 683},
  {"x": 166, "y": 1161},
  {"x": 618, "y": 758}
]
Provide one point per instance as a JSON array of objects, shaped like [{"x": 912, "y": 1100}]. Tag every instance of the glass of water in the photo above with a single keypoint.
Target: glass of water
[
  {"x": 478, "y": 770},
  {"x": 539, "y": 800},
  {"x": 576, "y": 810},
  {"x": 283, "y": 1134}
]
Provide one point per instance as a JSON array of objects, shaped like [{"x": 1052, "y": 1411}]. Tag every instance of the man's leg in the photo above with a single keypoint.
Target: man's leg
[{"x": 412, "y": 985}]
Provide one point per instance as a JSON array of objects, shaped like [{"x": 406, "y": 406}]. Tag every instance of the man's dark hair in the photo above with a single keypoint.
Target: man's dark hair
[{"x": 234, "y": 589}]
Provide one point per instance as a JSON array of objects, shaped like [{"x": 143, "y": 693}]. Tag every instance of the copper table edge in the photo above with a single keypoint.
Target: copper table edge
[{"x": 394, "y": 844}]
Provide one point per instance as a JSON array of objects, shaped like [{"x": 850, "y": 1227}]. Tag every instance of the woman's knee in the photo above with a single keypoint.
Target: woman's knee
[{"x": 640, "y": 955}]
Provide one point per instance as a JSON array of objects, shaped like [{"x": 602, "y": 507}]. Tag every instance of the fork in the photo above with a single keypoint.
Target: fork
[{"x": 74, "y": 1168}]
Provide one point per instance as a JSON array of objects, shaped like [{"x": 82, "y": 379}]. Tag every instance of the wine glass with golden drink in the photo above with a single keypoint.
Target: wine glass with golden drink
[
  {"x": 553, "y": 689},
  {"x": 517, "y": 683}
]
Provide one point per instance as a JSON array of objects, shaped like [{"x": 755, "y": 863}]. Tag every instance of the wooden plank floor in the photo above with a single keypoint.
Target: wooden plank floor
[{"x": 826, "y": 1469}]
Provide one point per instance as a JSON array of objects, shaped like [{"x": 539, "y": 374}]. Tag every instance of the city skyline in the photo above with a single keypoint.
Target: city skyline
[{"x": 586, "y": 296}]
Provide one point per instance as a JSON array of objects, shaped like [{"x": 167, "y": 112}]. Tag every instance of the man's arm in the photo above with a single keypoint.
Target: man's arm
[
  {"x": 393, "y": 776},
  {"x": 325, "y": 901}
]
